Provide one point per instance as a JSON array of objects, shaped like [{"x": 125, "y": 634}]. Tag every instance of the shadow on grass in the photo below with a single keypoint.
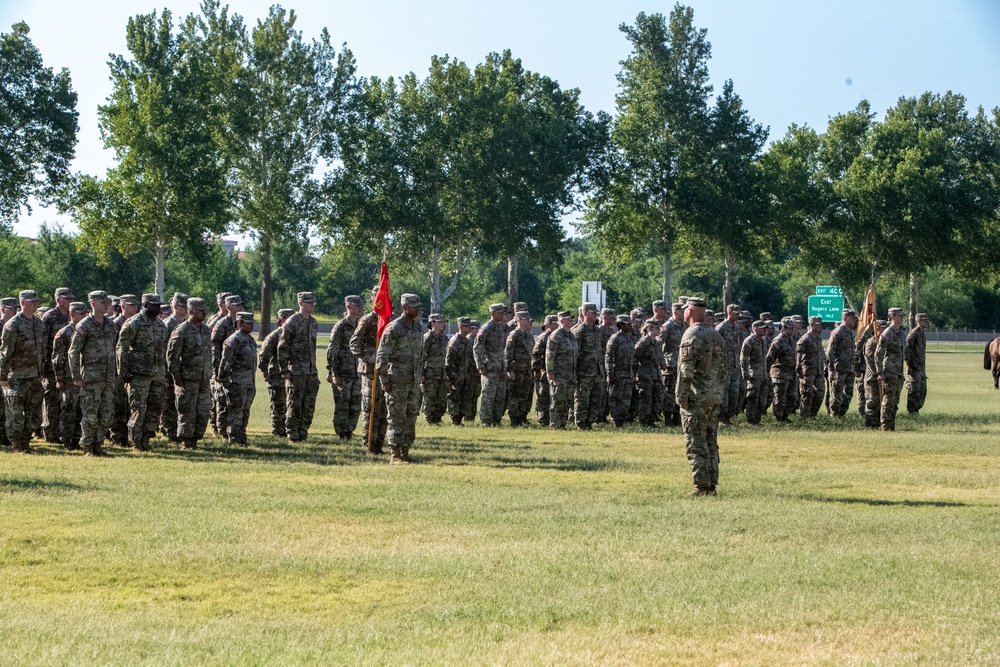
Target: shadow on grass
[
  {"x": 877, "y": 502},
  {"x": 852, "y": 423},
  {"x": 41, "y": 486}
]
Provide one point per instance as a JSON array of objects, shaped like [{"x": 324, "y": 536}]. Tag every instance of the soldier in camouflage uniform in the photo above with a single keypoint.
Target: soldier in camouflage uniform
[
  {"x": 22, "y": 363},
  {"x": 754, "y": 371},
  {"x": 267, "y": 361},
  {"x": 638, "y": 317},
  {"x": 873, "y": 389},
  {"x": 189, "y": 364},
  {"x": 746, "y": 331},
  {"x": 456, "y": 367},
  {"x": 223, "y": 328},
  {"x": 364, "y": 344},
  {"x": 399, "y": 362},
  {"x": 8, "y": 308},
  {"x": 607, "y": 329},
  {"x": 916, "y": 365},
  {"x": 168, "y": 415},
  {"x": 809, "y": 364},
  {"x": 70, "y": 416},
  {"x": 223, "y": 311},
  {"x": 730, "y": 331},
  {"x": 840, "y": 360},
  {"x": 488, "y": 350},
  {"x": 701, "y": 375},
  {"x": 860, "y": 368},
  {"x": 590, "y": 371},
  {"x": 237, "y": 376},
  {"x": 620, "y": 371},
  {"x": 517, "y": 353},
  {"x": 53, "y": 322},
  {"x": 561, "y": 352},
  {"x": 670, "y": 341},
  {"x": 780, "y": 362},
  {"x": 649, "y": 366},
  {"x": 543, "y": 400},
  {"x": 473, "y": 373},
  {"x": 434, "y": 383},
  {"x": 142, "y": 350},
  {"x": 297, "y": 363},
  {"x": 128, "y": 307},
  {"x": 795, "y": 389},
  {"x": 889, "y": 363},
  {"x": 342, "y": 369},
  {"x": 93, "y": 364}
]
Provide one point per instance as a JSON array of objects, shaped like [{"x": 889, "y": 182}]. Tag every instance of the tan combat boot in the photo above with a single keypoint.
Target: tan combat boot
[
  {"x": 396, "y": 457},
  {"x": 405, "y": 453}
]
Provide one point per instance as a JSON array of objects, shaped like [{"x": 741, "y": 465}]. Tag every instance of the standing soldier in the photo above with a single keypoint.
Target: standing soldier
[
  {"x": 142, "y": 353},
  {"x": 237, "y": 375},
  {"x": 794, "y": 389},
  {"x": 268, "y": 364},
  {"x": 128, "y": 307},
  {"x": 456, "y": 367},
  {"x": 916, "y": 365},
  {"x": 22, "y": 363},
  {"x": 780, "y": 362},
  {"x": 873, "y": 390},
  {"x": 730, "y": 331},
  {"x": 517, "y": 352},
  {"x": 560, "y": 369},
  {"x": 399, "y": 362},
  {"x": 223, "y": 328},
  {"x": 753, "y": 371},
  {"x": 809, "y": 364},
  {"x": 223, "y": 311},
  {"x": 840, "y": 356},
  {"x": 364, "y": 344},
  {"x": 889, "y": 363},
  {"x": 93, "y": 364},
  {"x": 8, "y": 308},
  {"x": 488, "y": 351},
  {"x": 670, "y": 339},
  {"x": 860, "y": 368},
  {"x": 168, "y": 416},
  {"x": 746, "y": 331},
  {"x": 701, "y": 374},
  {"x": 69, "y": 408},
  {"x": 649, "y": 367},
  {"x": 607, "y": 329},
  {"x": 297, "y": 362},
  {"x": 473, "y": 374},
  {"x": 590, "y": 371},
  {"x": 342, "y": 369},
  {"x": 542, "y": 397},
  {"x": 620, "y": 371},
  {"x": 434, "y": 383},
  {"x": 53, "y": 322},
  {"x": 189, "y": 363}
]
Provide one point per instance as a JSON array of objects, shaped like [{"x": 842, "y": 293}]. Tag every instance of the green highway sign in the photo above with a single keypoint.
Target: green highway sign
[
  {"x": 827, "y": 307},
  {"x": 828, "y": 290}
]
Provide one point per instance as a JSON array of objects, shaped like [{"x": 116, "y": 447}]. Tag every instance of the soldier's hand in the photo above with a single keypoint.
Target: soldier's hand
[
  {"x": 286, "y": 375},
  {"x": 79, "y": 384},
  {"x": 371, "y": 359},
  {"x": 551, "y": 375},
  {"x": 337, "y": 381},
  {"x": 483, "y": 372},
  {"x": 59, "y": 385},
  {"x": 387, "y": 386},
  {"x": 511, "y": 375},
  {"x": 4, "y": 384},
  {"x": 833, "y": 375}
]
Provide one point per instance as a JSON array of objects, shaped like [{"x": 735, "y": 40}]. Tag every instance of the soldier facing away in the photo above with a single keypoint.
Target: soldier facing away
[
  {"x": 916, "y": 365},
  {"x": 70, "y": 416},
  {"x": 488, "y": 350},
  {"x": 342, "y": 369},
  {"x": 297, "y": 362},
  {"x": 93, "y": 364},
  {"x": 22, "y": 364},
  {"x": 237, "y": 376},
  {"x": 520, "y": 344},
  {"x": 434, "y": 382},
  {"x": 189, "y": 363},
  {"x": 267, "y": 361},
  {"x": 399, "y": 362}
]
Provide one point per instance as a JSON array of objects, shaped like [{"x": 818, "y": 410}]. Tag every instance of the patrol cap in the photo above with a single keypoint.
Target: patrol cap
[
  {"x": 709, "y": 313},
  {"x": 437, "y": 317},
  {"x": 892, "y": 311},
  {"x": 354, "y": 300},
  {"x": 623, "y": 319},
  {"x": 678, "y": 306},
  {"x": 815, "y": 319},
  {"x": 882, "y": 324},
  {"x": 565, "y": 315},
  {"x": 306, "y": 297},
  {"x": 498, "y": 308},
  {"x": 152, "y": 300},
  {"x": 520, "y": 305},
  {"x": 652, "y": 322},
  {"x": 285, "y": 313},
  {"x": 589, "y": 307},
  {"x": 552, "y": 319},
  {"x": 97, "y": 295},
  {"x": 745, "y": 315},
  {"x": 524, "y": 315},
  {"x": 8, "y": 302},
  {"x": 409, "y": 300},
  {"x": 64, "y": 293},
  {"x": 683, "y": 299},
  {"x": 659, "y": 303},
  {"x": 796, "y": 318},
  {"x": 923, "y": 317},
  {"x": 786, "y": 322},
  {"x": 465, "y": 321},
  {"x": 195, "y": 303},
  {"x": 733, "y": 308},
  {"x": 27, "y": 295},
  {"x": 769, "y": 323},
  {"x": 695, "y": 302},
  {"x": 637, "y": 314},
  {"x": 221, "y": 297},
  {"x": 76, "y": 307},
  {"x": 759, "y": 324},
  {"x": 244, "y": 316},
  {"x": 474, "y": 323},
  {"x": 767, "y": 315},
  {"x": 179, "y": 299},
  {"x": 608, "y": 311},
  {"x": 128, "y": 298},
  {"x": 848, "y": 312},
  {"x": 234, "y": 300}
]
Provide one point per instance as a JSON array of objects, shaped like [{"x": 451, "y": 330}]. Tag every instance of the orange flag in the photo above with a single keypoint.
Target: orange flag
[
  {"x": 867, "y": 315},
  {"x": 383, "y": 301}
]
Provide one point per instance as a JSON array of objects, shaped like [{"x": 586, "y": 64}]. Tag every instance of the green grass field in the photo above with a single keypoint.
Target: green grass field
[{"x": 827, "y": 544}]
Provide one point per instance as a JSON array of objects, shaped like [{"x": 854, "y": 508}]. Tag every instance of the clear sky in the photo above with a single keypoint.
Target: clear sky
[{"x": 792, "y": 61}]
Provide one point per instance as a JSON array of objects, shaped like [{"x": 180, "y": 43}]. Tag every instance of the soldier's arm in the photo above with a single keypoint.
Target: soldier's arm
[
  {"x": 266, "y": 352},
  {"x": 551, "y": 351},
  {"x": 910, "y": 352},
  {"x": 610, "y": 360},
  {"x": 386, "y": 348},
  {"x": 880, "y": 356},
  {"x": 284, "y": 351},
  {"x": 333, "y": 351},
  {"x": 7, "y": 343},
  {"x": 226, "y": 363},
  {"x": 357, "y": 342},
  {"x": 685, "y": 368},
  {"x": 122, "y": 350},
  {"x": 57, "y": 359},
  {"x": 174, "y": 346},
  {"x": 75, "y": 351}
]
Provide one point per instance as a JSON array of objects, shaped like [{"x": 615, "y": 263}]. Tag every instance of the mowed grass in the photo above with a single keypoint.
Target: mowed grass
[{"x": 827, "y": 544}]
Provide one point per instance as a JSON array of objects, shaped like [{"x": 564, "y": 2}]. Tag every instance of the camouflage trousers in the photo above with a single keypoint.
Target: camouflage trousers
[
  {"x": 435, "y": 399},
  {"x": 50, "y": 408},
  {"x": 376, "y": 428},
  {"x": 70, "y": 416},
  {"x": 459, "y": 400},
  {"x": 23, "y": 405},
  {"x": 671, "y": 412},
  {"x": 794, "y": 397},
  {"x": 194, "y": 408},
  {"x": 300, "y": 399},
  {"x": 560, "y": 401},
  {"x": 701, "y": 437},
  {"x": 841, "y": 393},
  {"x": 811, "y": 391},
  {"x": 520, "y": 391},
  {"x": 168, "y": 416},
  {"x": 730, "y": 394},
  {"x": 756, "y": 401},
  {"x": 589, "y": 404},
  {"x": 97, "y": 401},
  {"x": 477, "y": 390},
  {"x": 145, "y": 396},
  {"x": 891, "y": 389},
  {"x": 782, "y": 397},
  {"x": 873, "y": 402},
  {"x": 650, "y": 398},
  {"x": 403, "y": 406},
  {"x": 119, "y": 413},
  {"x": 860, "y": 387},
  {"x": 741, "y": 402},
  {"x": 494, "y": 398},
  {"x": 916, "y": 391},
  {"x": 346, "y": 405},
  {"x": 220, "y": 409},
  {"x": 620, "y": 398},
  {"x": 543, "y": 402},
  {"x": 239, "y": 399},
  {"x": 276, "y": 394}
]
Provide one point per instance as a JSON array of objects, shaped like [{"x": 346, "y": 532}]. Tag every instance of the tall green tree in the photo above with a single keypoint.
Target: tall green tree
[{"x": 38, "y": 124}]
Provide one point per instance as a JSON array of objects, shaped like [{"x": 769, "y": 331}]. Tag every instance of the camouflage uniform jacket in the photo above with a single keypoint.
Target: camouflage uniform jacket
[
  {"x": 606, "y": 334},
  {"x": 119, "y": 322},
  {"x": 267, "y": 362},
  {"x": 435, "y": 349},
  {"x": 671, "y": 336},
  {"x": 221, "y": 331},
  {"x": 53, "y": 322},
  {"x": 701, "y": 366},
  {"x": 520, "y": 345},
  {"x": 456, "y": 359},
  {"x": 590, "y": 362},
  {"x": 868, "y": 357},
  {"x": 92, "y": 351},
  {"x": 297, "y": 346},
  {"x": 400, "y": 356},
  {"x": 840, "y": 349},
  {"x": 340, "y": 361},
  {"x": 364, "y": 342},
  {"x": 60, "y": 354},
  {"x": 619, "y": 358},
  {"x": 916, "y": 350},
  {"x": 809, "y": 357},
  {"x": 189, "y": 352},
  {"x": 171, "y": 323},
  {"x": 859, "y": 350},
  {"x": 648, "y": 360},
  {"x": 752, "y": 356},
  {"x": 214, "y": 319},
  {"x": 538, "y": 354},
  {"x": 471, "y": 370},
  {"x": 22, "y": 348},
  {"x": 489, "y": 346},
  {"x": 730, "y": 332},
  {"x": 889, "y": 353},
  {"x": 142, "y": 347},
  {"x": 239, "y": 360},
  {"x": 560, "y": 355},
  {"x": 780, "y": 359}
]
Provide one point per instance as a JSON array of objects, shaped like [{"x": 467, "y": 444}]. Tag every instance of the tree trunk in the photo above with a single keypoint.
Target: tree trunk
[
  {"x": 266, "y": 286},
  {"x": 512, "y": 280},
  {"x": 668, "y": 271},
  {"x": 727, "y": 285},
  {"x": 159, "y": 282},
  {"x": 914, "y": 299},
  {"x": 435, "y": 275}
]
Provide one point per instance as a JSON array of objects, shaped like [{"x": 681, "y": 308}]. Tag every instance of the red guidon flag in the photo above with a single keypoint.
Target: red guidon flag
[
  {"x": 867, "y": 315},
  {"x": 383, "y": 301}
]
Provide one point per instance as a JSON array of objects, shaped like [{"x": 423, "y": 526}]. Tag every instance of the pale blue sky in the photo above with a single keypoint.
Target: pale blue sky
[{"x": 792, "y": 61}]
